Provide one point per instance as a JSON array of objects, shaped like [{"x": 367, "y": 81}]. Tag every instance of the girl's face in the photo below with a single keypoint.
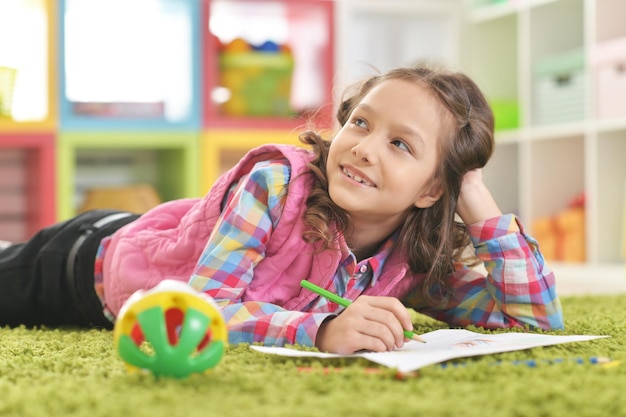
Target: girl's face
[{"x": 381, "y": 162}]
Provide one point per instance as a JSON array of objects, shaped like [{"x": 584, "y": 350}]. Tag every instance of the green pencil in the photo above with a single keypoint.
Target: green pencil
[{"x": 345, "y": 303}]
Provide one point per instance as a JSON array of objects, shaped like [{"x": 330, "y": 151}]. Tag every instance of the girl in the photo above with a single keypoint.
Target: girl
[{"x": 369, "y": 215}]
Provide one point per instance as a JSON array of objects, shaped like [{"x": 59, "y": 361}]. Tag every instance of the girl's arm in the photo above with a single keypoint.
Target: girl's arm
[
  {"x": 237, "y": 244},
  {"x": 516, "y": 288},
  {"x": 475, "y": 203}
]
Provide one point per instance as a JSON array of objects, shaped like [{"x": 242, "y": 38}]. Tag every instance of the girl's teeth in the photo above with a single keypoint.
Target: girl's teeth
[{"x": 355, "y": 177}]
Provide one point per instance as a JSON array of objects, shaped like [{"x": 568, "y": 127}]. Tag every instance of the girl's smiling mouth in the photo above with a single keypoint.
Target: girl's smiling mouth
[{"x": 357, "y": 176}]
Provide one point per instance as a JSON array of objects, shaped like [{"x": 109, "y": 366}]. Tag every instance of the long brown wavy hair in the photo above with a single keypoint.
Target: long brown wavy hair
[{"x": 431, "y": 238}]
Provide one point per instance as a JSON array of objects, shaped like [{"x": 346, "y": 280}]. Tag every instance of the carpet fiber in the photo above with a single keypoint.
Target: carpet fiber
[{"x": 53, "y": 372}]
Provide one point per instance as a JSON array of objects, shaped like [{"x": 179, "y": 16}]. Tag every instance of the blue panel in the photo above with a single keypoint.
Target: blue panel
[{"x": 168, "y": 33}]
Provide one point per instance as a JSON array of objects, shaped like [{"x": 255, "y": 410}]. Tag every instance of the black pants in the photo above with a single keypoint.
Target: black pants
[{"x": 39, "y": 287}]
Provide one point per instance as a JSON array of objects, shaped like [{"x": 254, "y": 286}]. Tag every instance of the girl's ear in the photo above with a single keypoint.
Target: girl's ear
[{"x": 430, "y": 196}]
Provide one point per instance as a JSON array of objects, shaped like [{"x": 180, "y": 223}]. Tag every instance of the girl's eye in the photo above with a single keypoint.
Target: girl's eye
[
  {"x": 359, "y": 122},
  {"x": 400, "y": 144}
]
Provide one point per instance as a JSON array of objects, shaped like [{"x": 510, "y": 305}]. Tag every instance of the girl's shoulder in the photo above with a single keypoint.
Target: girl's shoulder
[
  {"x": 271, "y": 171},
  {"x": 275, "y": 164}
]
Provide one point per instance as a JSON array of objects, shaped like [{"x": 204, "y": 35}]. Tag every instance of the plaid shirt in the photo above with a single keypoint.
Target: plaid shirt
[{"x": 517, "y": 289}]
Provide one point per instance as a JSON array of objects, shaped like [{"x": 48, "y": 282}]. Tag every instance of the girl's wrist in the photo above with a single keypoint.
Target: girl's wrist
[{"x": 476, "y": 204}]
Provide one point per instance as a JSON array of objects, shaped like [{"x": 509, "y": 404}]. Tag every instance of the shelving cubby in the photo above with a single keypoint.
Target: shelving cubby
[
  {"x": 166, "y": 160},
  {"x": 27, "y": 187},
  {"x": 222, "y": 148},
  {"x": 236, "y": 62},
  {"x": 144, "y": 75},
  {"x": 375, "y": 36},
  {"x": 503, "y": 174},
  {"x": 28, "y": 29}
]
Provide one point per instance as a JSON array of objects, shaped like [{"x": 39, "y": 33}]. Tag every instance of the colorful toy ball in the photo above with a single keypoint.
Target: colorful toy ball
[{"x": 170, "y": 330}]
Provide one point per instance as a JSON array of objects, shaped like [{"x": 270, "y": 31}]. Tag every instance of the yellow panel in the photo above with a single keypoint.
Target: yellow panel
[
  {"x": 222, "y": 148},
  {"x": 49, "y": 121}
]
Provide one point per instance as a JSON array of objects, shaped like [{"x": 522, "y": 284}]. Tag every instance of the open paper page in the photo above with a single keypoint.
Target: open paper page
[{"x": 443, "y": 345}]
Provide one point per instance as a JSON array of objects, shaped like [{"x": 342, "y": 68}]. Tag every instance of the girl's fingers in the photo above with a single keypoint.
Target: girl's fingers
[
  {"x": 347, "y": 334},
  {"x": 384, "y": 324},
  {"x": 385, "y": 316},
  {"x": 369, "y": 323},
  {"x": 392, "y": 305},
  {"x": 378, "y": 337}
]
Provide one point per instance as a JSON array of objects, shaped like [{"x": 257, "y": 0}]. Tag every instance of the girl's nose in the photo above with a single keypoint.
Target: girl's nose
[
  {"x": 365, "y": 150},
  {"x": 358, "y": 153}
]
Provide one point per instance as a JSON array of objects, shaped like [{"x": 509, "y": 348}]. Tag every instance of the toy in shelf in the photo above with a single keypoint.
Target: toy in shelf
[
  {"x": 7, "y": 85},
  {"x": 258, "y": 78},
  {"x": 506, "y": 113},
  {"x": 562, "y": 237},
  {"x": 147, "y": 110},
  {"x": 609, "y": 64},
  {"x": 137, "y": 198},
  {"x": 559, "y": 88}
]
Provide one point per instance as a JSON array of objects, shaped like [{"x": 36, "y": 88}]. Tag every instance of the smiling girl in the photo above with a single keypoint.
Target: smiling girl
[{"x": 370, "y": 215}]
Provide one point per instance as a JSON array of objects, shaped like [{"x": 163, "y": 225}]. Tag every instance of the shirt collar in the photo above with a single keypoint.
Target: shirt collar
[{"x": 376, "y": 262}]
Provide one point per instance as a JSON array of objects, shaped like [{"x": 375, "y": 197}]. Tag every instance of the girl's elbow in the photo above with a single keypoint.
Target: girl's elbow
[{"x": 551, "y": 323}]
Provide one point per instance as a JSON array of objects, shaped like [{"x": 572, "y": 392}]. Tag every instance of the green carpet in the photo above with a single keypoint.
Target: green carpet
[{"x": 63, "y": 373}]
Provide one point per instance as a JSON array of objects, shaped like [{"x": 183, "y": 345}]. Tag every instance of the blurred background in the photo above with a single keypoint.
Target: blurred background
[{"x": 128, "y": 103}]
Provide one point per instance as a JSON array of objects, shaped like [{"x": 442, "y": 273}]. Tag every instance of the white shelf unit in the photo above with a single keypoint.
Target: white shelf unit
[
  {"x": 536, "y": 168},
  {"x": 539, "y": 167}
]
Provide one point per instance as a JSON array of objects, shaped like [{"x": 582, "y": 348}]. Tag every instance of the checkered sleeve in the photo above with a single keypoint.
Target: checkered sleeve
[
  {"x": 236, "y": 246},
  {"x": 251, "y": 322},
  {"x": 515, "y": 289}
]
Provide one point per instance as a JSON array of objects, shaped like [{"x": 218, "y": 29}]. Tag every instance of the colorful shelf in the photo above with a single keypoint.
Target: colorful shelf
[{"x": 141, "y": 95}]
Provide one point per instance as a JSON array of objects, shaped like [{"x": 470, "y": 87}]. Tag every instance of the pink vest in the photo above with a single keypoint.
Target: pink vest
[{"x": 166, "y": 242}]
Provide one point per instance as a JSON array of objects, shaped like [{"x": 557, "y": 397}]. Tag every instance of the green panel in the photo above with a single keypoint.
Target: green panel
[
  {"x": 65, "y": 178},
  {"x": 178, "y": 173},
  {"x": 177, "y": 158}
]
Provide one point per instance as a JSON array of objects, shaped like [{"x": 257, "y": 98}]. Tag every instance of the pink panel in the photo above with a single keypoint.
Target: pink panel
[{"x": 28, "y": 191}]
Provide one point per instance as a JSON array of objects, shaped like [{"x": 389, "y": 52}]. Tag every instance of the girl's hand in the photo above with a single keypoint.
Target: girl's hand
[
  {"x": 475, "y": 201},
  {"x": 370, "y": 323}
]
